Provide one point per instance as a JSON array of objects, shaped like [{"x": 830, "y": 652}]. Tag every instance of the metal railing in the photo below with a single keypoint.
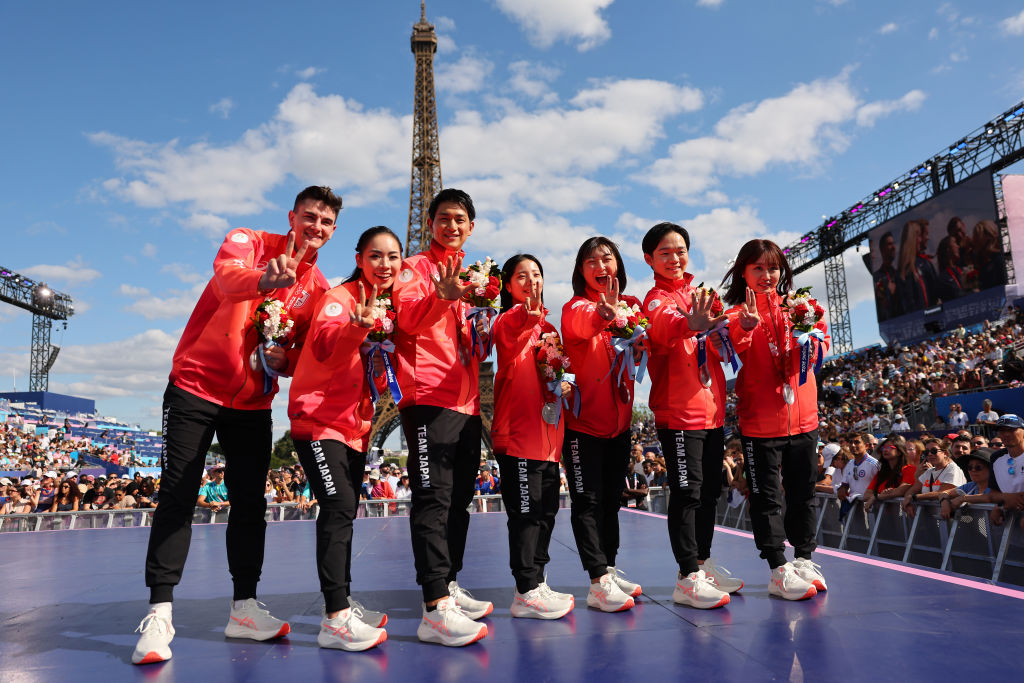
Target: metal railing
[{"x": 276, "y": 512}]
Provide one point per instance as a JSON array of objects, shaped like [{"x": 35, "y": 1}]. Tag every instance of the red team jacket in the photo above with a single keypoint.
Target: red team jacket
[
  {"x": 587, "y": 342},
  {"x": 518, "y": 429},
  {"x": 215, "y": 358},
  {"x": 761, "y": 409},
  {"x": 329, "y": 397},
  {"x": 436, "y": 366},
  {"x": 678, "y": 398}
]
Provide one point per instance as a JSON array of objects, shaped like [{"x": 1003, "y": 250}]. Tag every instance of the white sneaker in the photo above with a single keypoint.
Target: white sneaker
[
  {"x": 697, "y": 590},
  {"x": 786, "y": 583},
  {"x": 155, "y": 642},
  {"x": 540, "y": 604},
  {"x": 251, "y": 621},
  {"x": 448, "y": 625},
  {"x": 721, "y": 577},
  {"x": 606, "y": 596},
  {"x": 811, "y": 573},
  {"x": 628, "y": 587},
  {"x": 367, "y": 616},
  {"x": 348, "y": 632},
  {"x": 568, "y": 597},
  {"x": 470, "y": 606}
]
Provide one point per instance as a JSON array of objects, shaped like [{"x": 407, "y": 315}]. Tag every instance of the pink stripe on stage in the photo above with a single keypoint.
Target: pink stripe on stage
[{"x": 914, "y": 571}]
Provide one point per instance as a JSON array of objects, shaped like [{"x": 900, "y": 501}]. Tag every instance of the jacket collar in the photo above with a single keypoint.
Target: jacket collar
[
  {"x": 440, "y": 254},
  {"x": 672, "y": 285}
]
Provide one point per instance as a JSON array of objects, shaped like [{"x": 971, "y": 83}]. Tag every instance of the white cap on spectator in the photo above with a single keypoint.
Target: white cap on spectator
[
  {"x": 27, "y": 480},
  {"x": 5, "y": 481},
  {"x": 367, "y": 468},
  {"x": 829, "y": 452},
  {"x": 898, "y": 416},
  {"x": 51, "y": 474},
  {"x": 374, "y": 474}
]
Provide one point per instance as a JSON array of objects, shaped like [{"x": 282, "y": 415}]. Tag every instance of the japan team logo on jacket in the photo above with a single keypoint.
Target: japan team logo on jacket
[{"x": 301, "y": 301}]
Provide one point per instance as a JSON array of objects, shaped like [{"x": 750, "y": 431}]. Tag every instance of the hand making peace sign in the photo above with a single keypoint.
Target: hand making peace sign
[
  {"x": 749, "y": 319},
  {"x": 609, "y": 300},
  {"x": 362, "y": 313},
  {"x": 281, "y": 270},
  {"x": 534, "y": 305}
]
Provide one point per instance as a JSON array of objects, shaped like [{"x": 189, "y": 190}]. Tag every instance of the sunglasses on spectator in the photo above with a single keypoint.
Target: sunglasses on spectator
[
  {"x": 932, "y": 451},
  {"x": 978, "y": 443},
  {"x": 976, "y": 468}
]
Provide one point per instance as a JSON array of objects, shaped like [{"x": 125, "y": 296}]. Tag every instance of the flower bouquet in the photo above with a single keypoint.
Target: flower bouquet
[
  {"x": 629, "y": 342},
  {"x": 553, "y": 365},
  {"x": 273, "y": 324},
  {"x": 483, "y": 297},
  {"x": 806, "y": 318},
  {"x": 378, "y": 341}
]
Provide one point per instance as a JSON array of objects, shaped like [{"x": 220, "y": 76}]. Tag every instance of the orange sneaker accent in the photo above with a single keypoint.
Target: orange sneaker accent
[
  {"x": 626, "y": 605},
  {"x": 151, "y": 658},
  {"x": 723, "y": 602},
  {"x": 479, "y": 636},
  {"x": 383, "y": 622},
  {"x": 285, "y": 630},
  {"x": 819, "y": 586},
  {"x": 383, "y": 636}
]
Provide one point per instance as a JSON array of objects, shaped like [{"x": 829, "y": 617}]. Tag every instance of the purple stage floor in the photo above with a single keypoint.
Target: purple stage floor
[{"x": 71, "y": 600}]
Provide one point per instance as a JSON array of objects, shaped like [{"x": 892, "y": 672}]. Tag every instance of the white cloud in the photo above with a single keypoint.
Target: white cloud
[
  {"x": 73, "y": 273},
  {"x": 445, "y": 43},
  {"x": 132, "y": 290},
  {"x": 176, "y": 304},
  {"x": 871, "y": 112},
  {"x": 309, "y": 72},
  {"x": 533, "y": 80},
  {"x": 222, "y": 107},
  {"x": 325, "y": 139},
  {"x": 545, "y": 22},
  {"x": 466, "y": 75},
  {"x": 1014, "y": 25},
  {"x": 136, "y": 366},
  {"x": 933, "y": 33},
  {"x": 709, "y": 3},
  {"x": 149, "y": 250},
  {"x": 802, "y": 127},
  {"x": 891, "y": 27}
]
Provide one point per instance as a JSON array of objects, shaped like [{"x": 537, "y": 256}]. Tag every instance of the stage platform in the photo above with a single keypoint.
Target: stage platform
[{"x": 71, "y": 600}]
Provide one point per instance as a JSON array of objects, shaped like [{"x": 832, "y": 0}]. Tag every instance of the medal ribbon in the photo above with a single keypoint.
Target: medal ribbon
[
  {"x": 804, "y": 339},
  {"x": 623, "y": 346},
  {"x": 385, "y": 349},
  {"x": 555, "y": 387},
  {"x": 269, "y": 373},
  {"x": 481, "y": 349}
]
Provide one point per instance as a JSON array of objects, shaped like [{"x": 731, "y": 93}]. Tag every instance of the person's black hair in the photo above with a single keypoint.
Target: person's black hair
[
  {"x": 654, "y": 236},
  {"x": 507, "y": 270},
  {"x": 450, "y": 194},
  {"x": 752, "y": 252},
  {"x": 944, "y": 252},
  {"x": 579, "y": 284},
  {"x": 364, "y": 239},
  {"x": 319, "y": 193}
]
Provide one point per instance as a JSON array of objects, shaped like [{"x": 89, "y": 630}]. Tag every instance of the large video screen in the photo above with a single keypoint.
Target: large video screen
[{"x": 929, "y": 260}]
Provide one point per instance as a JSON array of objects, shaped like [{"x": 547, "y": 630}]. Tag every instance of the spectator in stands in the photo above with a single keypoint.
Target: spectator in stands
[
  {"x": 895, "y": 475},
  {"x": 381, "y": 488},
  {"x": 987, "y": 416},
  {"x": 19, "y": 502},
  {"x": 1009, "y": 467},
  {"x": 366, "y": 488},
  {"x": 960, "y": 449},
  {"x": 67, "y": 498},
  {"x": 97, "y": 496},
  {"x": 834, "y": 461},
  {"x": 214, "y": 494},
  {"x": 145, "y": 495},
  {"x": 659, "y": 474},
  {"x": 978, "y": 441},
  {"x": 634, "y": 495},
  {"x": 900, "y": 423},
  {"x": 485, "y": 483},
  {"x": 957, "y": 417},
  {"x": 43, "y": 497},
  {"x": 857, "y": 474},
  {"x": 270, "y": 494},
  {"x": 943, "y": 476},
  {"x": 977, "y": 490},
  {"x": 403, "y": 492},
  {"x": 120, "y": 501},
  {"x": 732, "y": 467}
]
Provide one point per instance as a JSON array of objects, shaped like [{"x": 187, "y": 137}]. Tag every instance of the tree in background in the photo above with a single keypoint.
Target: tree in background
[{"x": 282, "y": 456}]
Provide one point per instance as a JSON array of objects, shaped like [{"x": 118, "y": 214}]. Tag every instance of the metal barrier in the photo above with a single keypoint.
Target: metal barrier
[{"x": 276, "y": 512}]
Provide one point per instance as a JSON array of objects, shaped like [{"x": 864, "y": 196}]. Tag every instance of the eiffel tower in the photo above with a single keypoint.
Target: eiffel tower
[{"x": 425, "y": 183}]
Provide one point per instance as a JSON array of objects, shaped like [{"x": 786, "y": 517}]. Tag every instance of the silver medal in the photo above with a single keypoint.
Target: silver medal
[
  {"x": 550, "y": 413},
  {"x": 787, "y": 393},
  {"x": 705, "y": 376}
]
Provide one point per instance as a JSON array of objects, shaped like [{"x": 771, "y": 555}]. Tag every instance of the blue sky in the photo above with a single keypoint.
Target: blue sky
[{"x": 134, "y": 137}]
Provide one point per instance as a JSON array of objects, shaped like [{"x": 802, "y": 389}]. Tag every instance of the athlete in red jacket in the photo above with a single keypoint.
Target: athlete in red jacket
[
  {"x": 596, "y": 443},
  {"x": 440, "y": 408},
  {"x": 530, "y": 422},
  {"x": 217, "y": 387},
  {"x": 778, "y": 418},
  {"x": 689, "y": 409},
  {"x": 331, "y": 408}
]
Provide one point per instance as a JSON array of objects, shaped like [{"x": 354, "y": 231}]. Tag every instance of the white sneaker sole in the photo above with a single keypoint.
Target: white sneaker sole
[
  {"x": 681, "y": 598},
  {"x": 430, "y": 635},
  {"x": 151, "y": 657},
  {"x": 326, "y": 640},
  {"x": 233, "y": 630},
  {"x": 479, "y": 613},
  {"x": 604, "y": 607},
  {"x": 811, "y": 592},
  {"x": 521, "y": 611}
]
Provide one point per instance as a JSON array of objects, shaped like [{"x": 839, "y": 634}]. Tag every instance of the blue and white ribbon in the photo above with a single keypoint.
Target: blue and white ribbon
[
  {"x": 480, "y": 348},
  {"x": 385, "y": 349},
  {"x": 804, "y": 339},
  {"x": 269, "y": 373},
  {"x": 555, "y": 387},
  {"x": 729, "y": 354},
  {"x": 624, "y": 356}
]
